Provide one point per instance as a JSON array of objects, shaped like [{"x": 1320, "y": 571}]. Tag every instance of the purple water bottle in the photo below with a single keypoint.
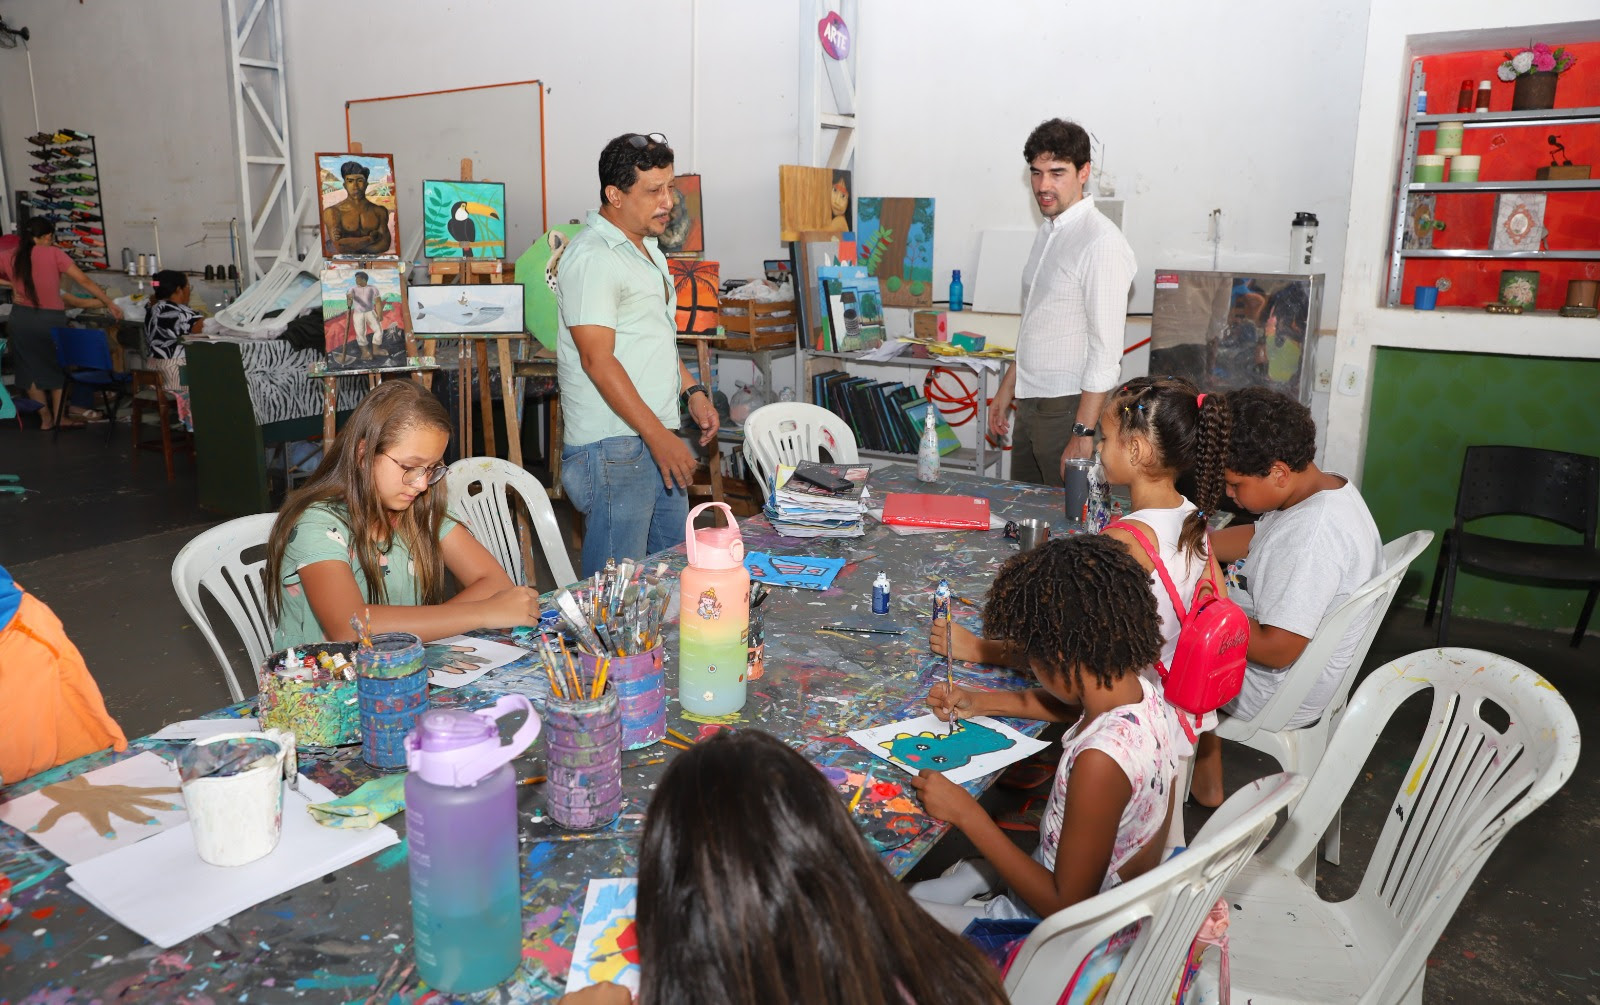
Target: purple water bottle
[{"x": 461, "y": 821}]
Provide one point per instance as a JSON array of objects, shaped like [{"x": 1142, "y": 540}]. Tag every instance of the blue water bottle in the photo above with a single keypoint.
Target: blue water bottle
[{"x": 957, "y": 293}]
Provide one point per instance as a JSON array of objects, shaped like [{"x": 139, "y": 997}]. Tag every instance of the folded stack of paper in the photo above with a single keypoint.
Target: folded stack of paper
[
  {"x": 803, "y": 509},
  {"x": 161, "y": 889}
]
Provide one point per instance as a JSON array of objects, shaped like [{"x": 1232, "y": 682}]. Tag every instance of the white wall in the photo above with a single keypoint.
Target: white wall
[{"x": 1398, "y": 33}]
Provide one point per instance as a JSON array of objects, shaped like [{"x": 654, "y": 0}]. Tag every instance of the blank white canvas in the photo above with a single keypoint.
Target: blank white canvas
[{"x": 1002, "y": 255}]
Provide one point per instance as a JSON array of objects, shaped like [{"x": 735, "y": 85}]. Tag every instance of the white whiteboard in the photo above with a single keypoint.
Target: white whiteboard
[{"x": 499, "y": 127}]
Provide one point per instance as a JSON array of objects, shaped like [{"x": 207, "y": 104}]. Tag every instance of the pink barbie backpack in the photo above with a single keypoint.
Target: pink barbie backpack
[{"x": 1208, "y": 665}]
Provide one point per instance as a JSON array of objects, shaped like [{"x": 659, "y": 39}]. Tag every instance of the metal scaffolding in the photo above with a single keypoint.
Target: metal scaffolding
[
  {"x": 839, "y": 77},
  {"x": 260, "y": 102}
]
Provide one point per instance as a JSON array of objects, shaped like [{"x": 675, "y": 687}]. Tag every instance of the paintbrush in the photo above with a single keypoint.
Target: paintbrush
[
  {"x": 572, "y": 673},
  {"x": 549, "y": 666},
  {"x": 572, "y": 617}
]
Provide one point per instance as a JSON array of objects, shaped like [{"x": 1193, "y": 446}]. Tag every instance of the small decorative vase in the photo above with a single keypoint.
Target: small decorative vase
[
  {"x": 1519, "y": 288},
  {"x": 1534, "y": 91}
]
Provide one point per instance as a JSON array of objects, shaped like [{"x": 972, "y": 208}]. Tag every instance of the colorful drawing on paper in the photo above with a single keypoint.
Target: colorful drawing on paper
[
  {"x": 895, "y": 241},
  {"x": 536, "y": 271},
  {"x": 686, "y": 228},
  {"x": 101, "y": 810},
  {"x": 696, "y": 285},
  {"x": 803, "y": 572},
  {"x": 974, "y": 748},
  {"x": 467, "y": 310},
  {"x": 608, "y": 942},
  {"x": 357, "y": 203},
  {"x": 363, "y": 317},
  {"x": 855, "y": 311},
  {"x": 462, "y": 659},
  {"x": 463, "y": 219},
  {"x": 813, "y": 198},
  {"x": 886, "y": 812}
]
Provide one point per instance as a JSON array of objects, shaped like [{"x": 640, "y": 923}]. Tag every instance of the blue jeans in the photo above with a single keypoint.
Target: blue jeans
[{"x": 628, "y": 512}]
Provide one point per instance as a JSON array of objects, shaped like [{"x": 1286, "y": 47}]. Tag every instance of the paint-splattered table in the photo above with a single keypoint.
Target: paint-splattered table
[{"x": 347, "y": 938}]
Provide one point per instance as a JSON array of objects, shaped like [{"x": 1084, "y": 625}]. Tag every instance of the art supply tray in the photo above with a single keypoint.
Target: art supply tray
[{"x": 322, "y": 710}]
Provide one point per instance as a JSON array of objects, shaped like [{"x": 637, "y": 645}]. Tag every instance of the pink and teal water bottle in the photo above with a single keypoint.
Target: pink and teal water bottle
[
  {"x": 461, "y": 822},
  {"x": 713, "y": 618}
]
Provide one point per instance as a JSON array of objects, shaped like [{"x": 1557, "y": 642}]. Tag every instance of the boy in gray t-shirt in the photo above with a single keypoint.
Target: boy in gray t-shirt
[{"x": 1314, "y": 545}]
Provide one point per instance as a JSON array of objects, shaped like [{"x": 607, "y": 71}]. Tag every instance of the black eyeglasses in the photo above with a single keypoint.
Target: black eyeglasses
[
  {"x": 642, "y": 140},
  {"x": 411, "y": 475}
]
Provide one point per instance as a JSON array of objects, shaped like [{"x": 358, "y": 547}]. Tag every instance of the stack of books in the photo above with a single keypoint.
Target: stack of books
[
  {"x": 885, "y": 416},
  {"x": 798, "y": 508}
]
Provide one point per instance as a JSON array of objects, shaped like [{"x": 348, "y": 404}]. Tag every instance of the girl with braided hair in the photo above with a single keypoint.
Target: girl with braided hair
[{"x": 1080, "y": 612}]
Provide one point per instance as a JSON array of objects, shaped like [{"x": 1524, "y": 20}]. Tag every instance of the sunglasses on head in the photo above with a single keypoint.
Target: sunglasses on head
[{"x": 642, "y": 140}]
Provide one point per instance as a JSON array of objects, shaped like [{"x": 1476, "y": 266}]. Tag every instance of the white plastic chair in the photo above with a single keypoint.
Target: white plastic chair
[
  {"x": 214, "y": 562},
  {"x": 1301, "y": 749},
  {"x": 478, "y": 488},
  {"x": 1170, "y": 900},
  {"x": 1470, "y": 781},
  {"x": 788, "y": 432}
]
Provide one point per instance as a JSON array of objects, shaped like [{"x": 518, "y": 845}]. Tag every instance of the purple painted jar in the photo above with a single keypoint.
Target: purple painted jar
[
  {"x": 641, "y": 688},
  {"x": 583, "y": 753}
]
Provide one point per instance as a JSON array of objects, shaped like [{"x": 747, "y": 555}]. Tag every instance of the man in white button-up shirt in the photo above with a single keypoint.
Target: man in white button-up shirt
[{"x": 1074, "y": 308}]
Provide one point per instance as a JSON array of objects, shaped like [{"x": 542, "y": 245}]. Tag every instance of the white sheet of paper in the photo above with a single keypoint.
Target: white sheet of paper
[
  {"x": 977, "y": 747},
  {"x": 471, "y": 659},
  {"x": 608, "y": 946},
  {"x": 161, "y": 889},
  {"x": 126, "y": 794},
  {"x": 201, "y": 729}
]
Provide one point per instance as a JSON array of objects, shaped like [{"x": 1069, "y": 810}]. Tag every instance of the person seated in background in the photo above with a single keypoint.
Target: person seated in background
[
  {"x": 51, "y": 711},
  {"x": 168, "y": 319},
  {"x": 1314, "y": 545}
]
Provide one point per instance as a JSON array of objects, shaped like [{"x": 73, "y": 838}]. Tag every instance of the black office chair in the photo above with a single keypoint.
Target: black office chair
[{"x": 1549, "y": 484}]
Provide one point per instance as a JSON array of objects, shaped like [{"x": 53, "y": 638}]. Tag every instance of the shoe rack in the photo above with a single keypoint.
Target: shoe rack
[{"x": 66, "y": 174}]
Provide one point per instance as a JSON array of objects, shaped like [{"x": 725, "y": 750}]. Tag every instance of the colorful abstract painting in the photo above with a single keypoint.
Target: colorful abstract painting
[
  {"x": 686, "y": 229},
  {"x": 894, "y": 237},
  {"x": 363, "y": 317},
  {"x": 608, "y": 942},
  {"x": 463, "y": 219},
  {"x": 536, "y": 271},
  {"x": 970, "y": 749},
  {"x": 696, "y": 283},
  {"x": 491, "y": 309},
  {"x": 357, "y": 206}
]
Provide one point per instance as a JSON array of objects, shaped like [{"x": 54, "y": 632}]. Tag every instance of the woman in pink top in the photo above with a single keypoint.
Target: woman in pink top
[{"x": 35, "y": 272}]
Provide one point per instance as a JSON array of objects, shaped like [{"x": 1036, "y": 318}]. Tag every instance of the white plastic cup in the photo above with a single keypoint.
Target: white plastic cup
[{"x": 237, "y": 819}]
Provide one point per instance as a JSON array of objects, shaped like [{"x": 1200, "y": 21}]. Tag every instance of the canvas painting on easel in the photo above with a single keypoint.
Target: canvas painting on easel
[
  {"x": 812, "y": 198},
  {"x": 463, "y": 219},
  {"x": 696, "y": 284},
  {"x": 894, "y": 238},
  {"x": 466, "y": 310},
  {"x": 363, "y": 317},
  {"x": 685, "y": 233},
  {"x": 357, "y": 205},
  {"x": 536, "y": 271}
]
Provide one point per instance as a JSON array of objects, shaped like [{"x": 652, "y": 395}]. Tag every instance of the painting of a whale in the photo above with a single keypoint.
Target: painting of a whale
[{"x": 466, "y": 310}]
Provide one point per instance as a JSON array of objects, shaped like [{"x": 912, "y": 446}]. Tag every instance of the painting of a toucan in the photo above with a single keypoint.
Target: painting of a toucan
[{"x": 464, "y": 219}]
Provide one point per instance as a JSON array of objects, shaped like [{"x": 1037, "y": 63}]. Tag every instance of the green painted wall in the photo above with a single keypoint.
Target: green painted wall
[{"x": 1427, "y": 407}]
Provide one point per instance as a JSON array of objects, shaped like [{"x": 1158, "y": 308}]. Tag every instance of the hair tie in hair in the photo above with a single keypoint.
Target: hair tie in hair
[
  {"x": 1200, "y": 513},
  {"x": 1200, "y": 400}
]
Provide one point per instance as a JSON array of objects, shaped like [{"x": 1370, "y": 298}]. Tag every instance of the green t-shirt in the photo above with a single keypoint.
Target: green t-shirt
[
  {"x": 322, "y": 534},
  {"x": 604, "y": 280}
]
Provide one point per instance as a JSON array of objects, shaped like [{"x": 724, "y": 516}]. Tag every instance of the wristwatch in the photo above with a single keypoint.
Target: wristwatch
[
  {"x": 1079, "y": 429},
  {"x": 691, "y": 390}
]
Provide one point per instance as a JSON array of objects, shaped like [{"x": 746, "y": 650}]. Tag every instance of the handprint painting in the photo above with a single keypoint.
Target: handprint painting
[{"x": 101, "y": 810}]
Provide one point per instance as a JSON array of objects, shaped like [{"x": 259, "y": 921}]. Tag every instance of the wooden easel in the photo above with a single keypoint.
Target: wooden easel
[
  {"x": 469, "y": 272},
  {"x": 702, "y": 354}
]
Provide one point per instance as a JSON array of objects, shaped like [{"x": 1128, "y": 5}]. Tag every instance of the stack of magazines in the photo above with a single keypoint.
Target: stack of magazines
[{"x": 818, "y": 500}]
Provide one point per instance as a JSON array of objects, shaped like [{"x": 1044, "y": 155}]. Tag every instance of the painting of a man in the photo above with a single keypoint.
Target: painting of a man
[{"x": 357, "y": 207}]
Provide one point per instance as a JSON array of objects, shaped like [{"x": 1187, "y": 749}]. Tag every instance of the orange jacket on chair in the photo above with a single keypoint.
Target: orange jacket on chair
[{"x": 51, "y": 711}]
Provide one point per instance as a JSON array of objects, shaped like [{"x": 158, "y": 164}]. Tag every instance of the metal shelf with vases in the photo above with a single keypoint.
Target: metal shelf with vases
[{"x": 1405, "y": 187}]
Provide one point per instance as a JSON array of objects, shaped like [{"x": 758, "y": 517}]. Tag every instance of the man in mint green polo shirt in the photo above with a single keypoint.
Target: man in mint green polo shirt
[{"x": 623, "y": 464}]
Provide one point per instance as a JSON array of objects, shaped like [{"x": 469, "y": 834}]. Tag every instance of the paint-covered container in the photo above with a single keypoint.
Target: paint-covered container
[
  {"x": 392, "y": 693},
  {"x": 641, "y": 687},
  {"x": 583, "y": 760},
  {"x": 316, "y": 702}
]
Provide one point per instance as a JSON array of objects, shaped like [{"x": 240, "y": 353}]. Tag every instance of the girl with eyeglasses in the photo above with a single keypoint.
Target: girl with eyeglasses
[{"x": 369, "y": 533}]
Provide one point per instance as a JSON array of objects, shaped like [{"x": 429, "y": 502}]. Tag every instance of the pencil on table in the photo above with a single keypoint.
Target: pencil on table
[
  {"x": 680, "y": 746},
  {"x": 679, "y": 735}
]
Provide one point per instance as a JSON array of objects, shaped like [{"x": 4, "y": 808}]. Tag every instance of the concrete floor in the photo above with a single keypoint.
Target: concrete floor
[{"x": 94, "y": 538}]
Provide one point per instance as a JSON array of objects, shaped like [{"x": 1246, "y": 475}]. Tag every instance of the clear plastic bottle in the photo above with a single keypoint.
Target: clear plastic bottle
[
  {"x": 461, "y": 823},
  {"x": 1099, "y": 498},
  {"x": 928, "y": 449}
]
